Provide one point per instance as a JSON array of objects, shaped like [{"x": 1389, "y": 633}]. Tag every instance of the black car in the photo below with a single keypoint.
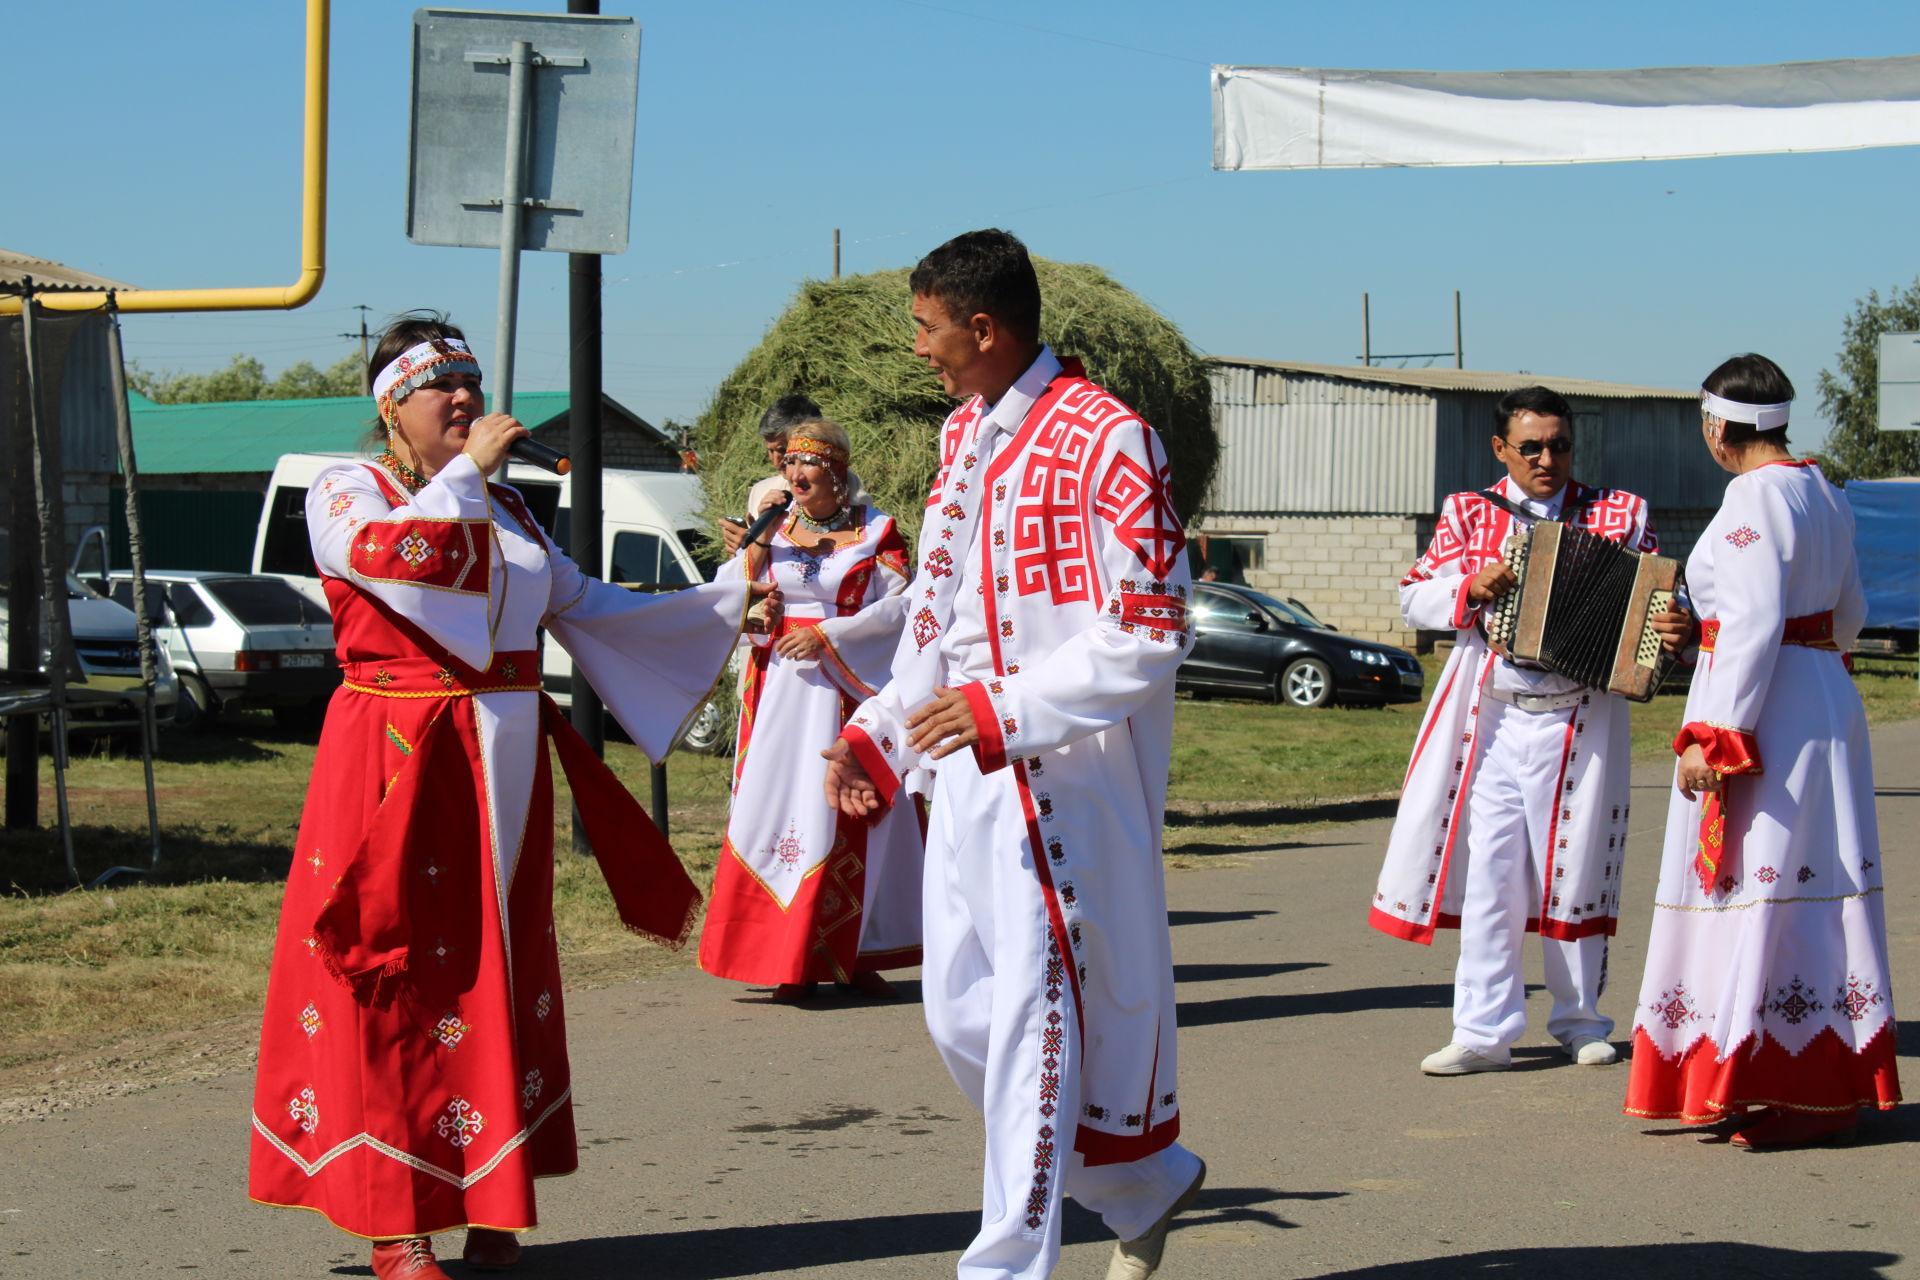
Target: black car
[{"x": 1250, "y": 645}]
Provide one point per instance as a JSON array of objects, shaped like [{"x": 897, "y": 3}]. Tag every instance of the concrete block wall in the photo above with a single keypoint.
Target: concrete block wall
[{"x": 1345, "y": 568}]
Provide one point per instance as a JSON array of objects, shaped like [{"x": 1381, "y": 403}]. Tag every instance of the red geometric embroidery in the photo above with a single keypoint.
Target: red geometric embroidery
[
  {"x": 1155, "y": 605},
  {"x": 925, "y": 627},
  {"x": 1743, "y": 537},
  {"x": 437, "y": 553},
  {"x": 1140, "y": 509}
]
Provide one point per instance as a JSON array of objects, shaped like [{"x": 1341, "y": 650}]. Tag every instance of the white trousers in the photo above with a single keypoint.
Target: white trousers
[
  {"x": 1510, "y": 823},
  {"x": 983, "y": 983}
]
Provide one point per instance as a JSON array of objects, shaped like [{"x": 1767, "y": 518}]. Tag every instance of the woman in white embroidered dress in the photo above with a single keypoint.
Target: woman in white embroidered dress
[
  {"x": 413, "y": 1069},
  {"x": 1766, "y": 983},
  {"x": 803, "y": 894}
]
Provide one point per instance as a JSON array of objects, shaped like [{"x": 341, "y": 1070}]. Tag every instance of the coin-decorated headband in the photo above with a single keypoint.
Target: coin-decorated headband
[{"x": 416, "y": 367}]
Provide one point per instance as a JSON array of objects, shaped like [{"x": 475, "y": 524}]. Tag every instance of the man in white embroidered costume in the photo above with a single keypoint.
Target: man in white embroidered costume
[
  {"x": 1036, "y": 680},
  {"x": 1513, "y": 816}
]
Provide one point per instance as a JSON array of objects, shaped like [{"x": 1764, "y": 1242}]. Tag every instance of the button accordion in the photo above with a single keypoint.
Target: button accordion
[{"x": 1583, "y": 607}]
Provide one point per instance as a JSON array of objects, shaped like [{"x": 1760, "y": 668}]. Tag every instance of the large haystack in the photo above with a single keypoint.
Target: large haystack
[{"x": 849, "y": 344}]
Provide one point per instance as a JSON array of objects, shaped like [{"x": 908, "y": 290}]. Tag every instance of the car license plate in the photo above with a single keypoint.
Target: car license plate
[{"x": 303, "y": 659}]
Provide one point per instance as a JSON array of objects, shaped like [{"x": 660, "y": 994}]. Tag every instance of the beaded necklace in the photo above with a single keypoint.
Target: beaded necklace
[
  {"x": 832, "y": 524},
  {"x": 410, "y": 480}
]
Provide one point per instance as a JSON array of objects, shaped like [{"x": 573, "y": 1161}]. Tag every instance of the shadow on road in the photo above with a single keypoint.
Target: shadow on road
[
  {"x": 721, "y": 1253},
  {"x": 1229, "y": 972},
  {"x": 1281, "y": 815},
  {"x": 1177, "y": 918},
  {"x": 1202, "y": 1013},
  {"x": 1689, "y": 1260}
]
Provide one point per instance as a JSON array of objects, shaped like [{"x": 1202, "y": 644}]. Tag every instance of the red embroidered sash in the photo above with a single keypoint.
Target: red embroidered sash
[{"x": 1813, "y": 630}]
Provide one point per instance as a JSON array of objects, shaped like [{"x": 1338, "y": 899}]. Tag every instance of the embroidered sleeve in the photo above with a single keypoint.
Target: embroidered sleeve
[
  {"x": 430, "y": 559},
  {"x": 1728, "y": 750},
  {"x": 1433, "y": 595},
  {"x": 1749, "y": 603},
  {"x": 1105, "y": 673}
]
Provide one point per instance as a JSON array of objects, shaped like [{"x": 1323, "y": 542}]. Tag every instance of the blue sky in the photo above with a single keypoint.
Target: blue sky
[{"x": 166, "y": 154}]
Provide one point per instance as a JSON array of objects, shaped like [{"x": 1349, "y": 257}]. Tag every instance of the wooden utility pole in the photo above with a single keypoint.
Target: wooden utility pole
[{"x": 366, "y": 376}]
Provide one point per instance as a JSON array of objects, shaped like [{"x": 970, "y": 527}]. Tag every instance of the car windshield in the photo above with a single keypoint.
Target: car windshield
[
  {"x": 263, "y": 602},
  {"x": 1287, "y": 613}
]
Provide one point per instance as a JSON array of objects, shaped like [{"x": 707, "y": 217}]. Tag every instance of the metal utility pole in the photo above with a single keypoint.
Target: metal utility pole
[
  {"x": 1367, "y": 356},
  {"x": 585, "y": 372},
  {"x": 1459, "y": 353},
  {"x": 836, "y": 253},
  {"x": 1366, "y": 331},
  {"x": 366, "y": 377}
]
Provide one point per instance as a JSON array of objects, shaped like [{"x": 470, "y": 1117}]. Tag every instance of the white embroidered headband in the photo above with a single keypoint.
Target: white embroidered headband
[
  {"x": 416, "y": 367},
  {"x": 1764, "y": 417}
]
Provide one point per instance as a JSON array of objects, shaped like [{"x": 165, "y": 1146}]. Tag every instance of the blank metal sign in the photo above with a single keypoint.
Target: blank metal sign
[{"x": 579, "y": 159}]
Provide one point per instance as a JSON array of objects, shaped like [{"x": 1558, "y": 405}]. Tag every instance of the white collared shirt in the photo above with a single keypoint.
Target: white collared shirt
[
  {"x": 964, "y": 651},
  {"x": 1506, "y": 676}
]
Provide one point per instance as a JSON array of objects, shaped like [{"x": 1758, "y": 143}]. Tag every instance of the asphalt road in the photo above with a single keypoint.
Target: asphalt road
[{"x": 726, "y": 1137}]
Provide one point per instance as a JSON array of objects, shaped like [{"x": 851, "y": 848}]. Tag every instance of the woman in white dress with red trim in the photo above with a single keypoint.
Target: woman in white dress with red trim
[
  {"x": 804, "y": 894},
  {"x": 1766, "y": 984}
]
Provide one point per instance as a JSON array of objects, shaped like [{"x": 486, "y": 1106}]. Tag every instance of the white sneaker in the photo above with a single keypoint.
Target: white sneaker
[
  {"x": 1139, "y": 1258},
  {"x": 1458, "y": 1060},
  {"x": 1591, "y": 1051}
]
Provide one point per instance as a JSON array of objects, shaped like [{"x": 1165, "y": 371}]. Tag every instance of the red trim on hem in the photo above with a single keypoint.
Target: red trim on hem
[
  {"x": 1394, "y": 926},
  {"x": 1553, "y": 822},
  {"x": 1097, "y": 1147},
  {"x": 874, "y": 762},
  {"x": 1699, "y": 1086},
  {"x": 990, "y": 751}
]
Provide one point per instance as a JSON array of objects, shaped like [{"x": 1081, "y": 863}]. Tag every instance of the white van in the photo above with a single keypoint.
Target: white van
[{"x": 650, "y": 532}]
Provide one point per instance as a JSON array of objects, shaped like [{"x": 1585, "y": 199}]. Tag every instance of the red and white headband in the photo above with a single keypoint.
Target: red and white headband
[
  {"x": 416, "y": 367},
  {"x": 1764, "y": 417}
]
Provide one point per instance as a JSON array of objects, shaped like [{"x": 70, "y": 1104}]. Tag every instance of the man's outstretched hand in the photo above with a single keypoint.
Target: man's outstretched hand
[{"x": 849, "y": 789}]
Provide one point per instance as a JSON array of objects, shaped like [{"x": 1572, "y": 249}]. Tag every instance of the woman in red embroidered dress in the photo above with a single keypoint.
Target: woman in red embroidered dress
[
  {"x": 413, "y": 1068},
  {"x": 1766, "y": 983},
  {"x": 804, "y": 894}
]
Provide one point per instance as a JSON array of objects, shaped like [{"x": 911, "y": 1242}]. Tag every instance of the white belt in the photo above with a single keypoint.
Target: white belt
[{"x": 1536, "y": 701}]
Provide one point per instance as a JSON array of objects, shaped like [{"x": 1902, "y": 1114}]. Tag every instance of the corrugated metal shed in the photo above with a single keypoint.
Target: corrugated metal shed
[
  {"x": 1300, "y": 438},
  {"x": 250, "y": 435},
  {"x": 48, "y": 274},
  {"x": 1468, "y": 380}
]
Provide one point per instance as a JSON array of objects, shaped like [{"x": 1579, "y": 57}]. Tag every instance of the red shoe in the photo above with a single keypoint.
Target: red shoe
[
  {"x": 1782, "y": 1128},
  {"x": 409, "y": 1259},
  {"x": 869, "y": 983},
  {"x": 490, "y": 1250}
]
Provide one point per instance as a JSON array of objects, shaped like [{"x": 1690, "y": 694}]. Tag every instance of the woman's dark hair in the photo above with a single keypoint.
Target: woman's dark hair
[
  {"x": 983, "y": 272},
  {"x": 1544, "y": 401},
  {"x": 1750, "y": 379},
  {"x": 408, "y": 329}
]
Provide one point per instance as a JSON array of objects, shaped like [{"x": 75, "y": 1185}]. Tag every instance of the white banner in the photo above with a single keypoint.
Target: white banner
[{"x": 1308, "y": 118}]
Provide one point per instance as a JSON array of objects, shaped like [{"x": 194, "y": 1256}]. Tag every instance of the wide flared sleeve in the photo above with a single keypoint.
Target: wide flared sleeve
[
  {"x": 430, "y": 559},
  {"x": 1433, "y": 595},
  {"x": 1094, "y": 679},
  {"x": 1749, "y": 605},
  {"x": 859, "y": 646},
  {"x": 652, "y": 658}
]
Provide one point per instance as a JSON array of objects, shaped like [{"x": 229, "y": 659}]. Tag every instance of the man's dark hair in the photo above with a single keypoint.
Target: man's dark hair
[
  {"x": 1750, "y": 379},
  {"x": 984, "y": 272},
  {"x": 406, "y": 330},
  {"x": 1539, "y": 400},
  {"x": 786, "y": 413}
]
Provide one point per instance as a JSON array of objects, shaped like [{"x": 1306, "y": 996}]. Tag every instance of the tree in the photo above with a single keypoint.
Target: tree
[
  {"x": 1856, "y": 448},
  {"x": 245, "y": 378}
]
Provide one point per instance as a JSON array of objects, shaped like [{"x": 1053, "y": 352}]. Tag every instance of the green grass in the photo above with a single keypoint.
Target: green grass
[{"x": 190, "y": 945}]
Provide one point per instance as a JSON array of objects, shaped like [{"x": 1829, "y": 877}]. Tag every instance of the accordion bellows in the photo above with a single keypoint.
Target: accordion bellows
[{"x": 1583, "y": 608}]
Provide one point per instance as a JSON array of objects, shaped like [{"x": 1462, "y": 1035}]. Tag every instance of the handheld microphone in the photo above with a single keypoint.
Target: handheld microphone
[
  {"x": 766, "y": 520},
  {"x": 545, "y": 456}
]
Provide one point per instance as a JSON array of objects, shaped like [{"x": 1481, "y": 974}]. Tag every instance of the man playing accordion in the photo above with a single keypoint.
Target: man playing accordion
[{"x": 1513, "y": 817}]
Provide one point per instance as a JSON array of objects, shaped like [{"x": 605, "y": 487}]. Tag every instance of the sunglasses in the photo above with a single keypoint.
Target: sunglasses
[{"x": 1534, "y": 448}]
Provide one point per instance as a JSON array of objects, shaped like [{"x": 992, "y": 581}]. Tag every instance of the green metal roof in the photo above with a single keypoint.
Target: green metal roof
[{"x": 250, "y": 435}]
